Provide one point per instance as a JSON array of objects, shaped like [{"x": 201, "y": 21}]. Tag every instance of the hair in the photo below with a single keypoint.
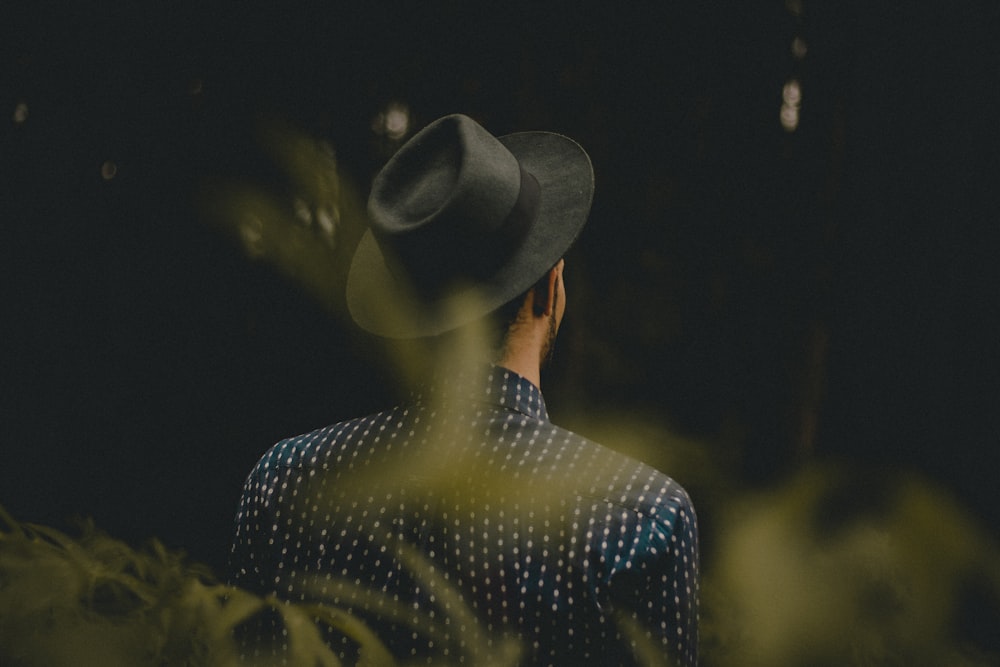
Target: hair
[{"x": 499, "y": 324}]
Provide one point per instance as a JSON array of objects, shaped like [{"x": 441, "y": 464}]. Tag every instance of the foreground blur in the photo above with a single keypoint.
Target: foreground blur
[{"x": 827, "y": 569}]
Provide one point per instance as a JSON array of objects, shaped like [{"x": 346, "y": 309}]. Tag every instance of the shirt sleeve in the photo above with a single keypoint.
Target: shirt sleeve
[
  {"x": 249, "y": 553},
  {"x": 655, "y": 599},
  {"x": 251, "y": 567}
]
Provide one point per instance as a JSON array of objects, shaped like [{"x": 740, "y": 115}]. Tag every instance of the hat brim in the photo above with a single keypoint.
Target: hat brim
[{"x": 384, "y": 305}]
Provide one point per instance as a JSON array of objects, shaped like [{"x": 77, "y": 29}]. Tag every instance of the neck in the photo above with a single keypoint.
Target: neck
[
  {"x": 455, "y": 354},
  {"x": 524, "y": 358}
]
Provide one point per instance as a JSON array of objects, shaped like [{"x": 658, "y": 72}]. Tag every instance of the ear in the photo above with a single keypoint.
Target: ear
[{"x": 545, "y": 292}]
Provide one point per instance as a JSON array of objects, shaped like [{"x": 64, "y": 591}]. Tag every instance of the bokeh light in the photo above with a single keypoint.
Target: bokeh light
[
  {"x": 20, "y": 113},
  {"x": 791, "y": 101},
  {"x": 394, "y": 122},
  {"x": 799, "y": 48}
]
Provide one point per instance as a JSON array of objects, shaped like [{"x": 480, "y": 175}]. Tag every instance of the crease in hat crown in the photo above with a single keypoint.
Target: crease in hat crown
[
  {"x": 440, "y": 171},
  {"x": 458, "y": 211},
  {"x": 440, "y": 205}
]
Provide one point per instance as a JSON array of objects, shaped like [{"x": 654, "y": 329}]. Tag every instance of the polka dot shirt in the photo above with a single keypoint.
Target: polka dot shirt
[{"x": 465, "y": 525}]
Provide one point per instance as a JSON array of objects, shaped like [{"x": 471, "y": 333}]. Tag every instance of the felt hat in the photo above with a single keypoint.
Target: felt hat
[{"x": 459, "y": 216}]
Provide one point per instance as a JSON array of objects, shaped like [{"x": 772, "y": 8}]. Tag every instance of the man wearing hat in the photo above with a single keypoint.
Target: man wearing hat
[{"x": 463, "y": 526}]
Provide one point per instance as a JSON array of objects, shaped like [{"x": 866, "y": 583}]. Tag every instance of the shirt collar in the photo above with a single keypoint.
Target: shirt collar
[{"x": 493, "y": 385}]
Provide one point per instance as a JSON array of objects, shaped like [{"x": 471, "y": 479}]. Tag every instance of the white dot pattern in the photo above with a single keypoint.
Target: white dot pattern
[{"x": 525, "y": 531}]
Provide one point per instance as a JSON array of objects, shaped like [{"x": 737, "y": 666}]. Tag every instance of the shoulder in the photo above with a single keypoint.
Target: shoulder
[
  {"x": 316, "y": 447},
  {"x": 600, "y": 473}
]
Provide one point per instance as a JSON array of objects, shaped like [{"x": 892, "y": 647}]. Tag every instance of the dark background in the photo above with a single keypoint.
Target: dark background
[{"x": 824, "y": 294}]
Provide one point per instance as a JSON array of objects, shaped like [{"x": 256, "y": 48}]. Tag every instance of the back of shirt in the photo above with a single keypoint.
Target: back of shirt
[{"x": 466, "y": 526}]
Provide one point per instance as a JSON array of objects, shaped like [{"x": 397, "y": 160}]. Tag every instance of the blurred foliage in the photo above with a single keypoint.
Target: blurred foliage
[
  {"x": 837, "y": 565},
  {"x": 307, "y": 225},
  {"x": 844, "y": 567},
  {"x": 96, "y": 601},
  {"x": 834, "y": 567}
]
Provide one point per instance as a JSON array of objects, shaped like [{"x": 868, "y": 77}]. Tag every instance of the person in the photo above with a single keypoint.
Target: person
[{"x": 463, "y": 525}]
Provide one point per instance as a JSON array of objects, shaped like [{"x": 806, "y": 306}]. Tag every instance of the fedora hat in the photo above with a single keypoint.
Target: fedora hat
[{"x": 459, "y": 216}]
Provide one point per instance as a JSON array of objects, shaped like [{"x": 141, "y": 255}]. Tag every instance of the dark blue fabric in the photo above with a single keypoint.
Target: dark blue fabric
[{"x": 466, "y": 523}]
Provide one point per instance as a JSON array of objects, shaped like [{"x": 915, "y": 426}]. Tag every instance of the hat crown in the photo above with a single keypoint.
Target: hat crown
[
  {"x": 461, "y": 222},
  {"x": 441, "y": 208}
]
